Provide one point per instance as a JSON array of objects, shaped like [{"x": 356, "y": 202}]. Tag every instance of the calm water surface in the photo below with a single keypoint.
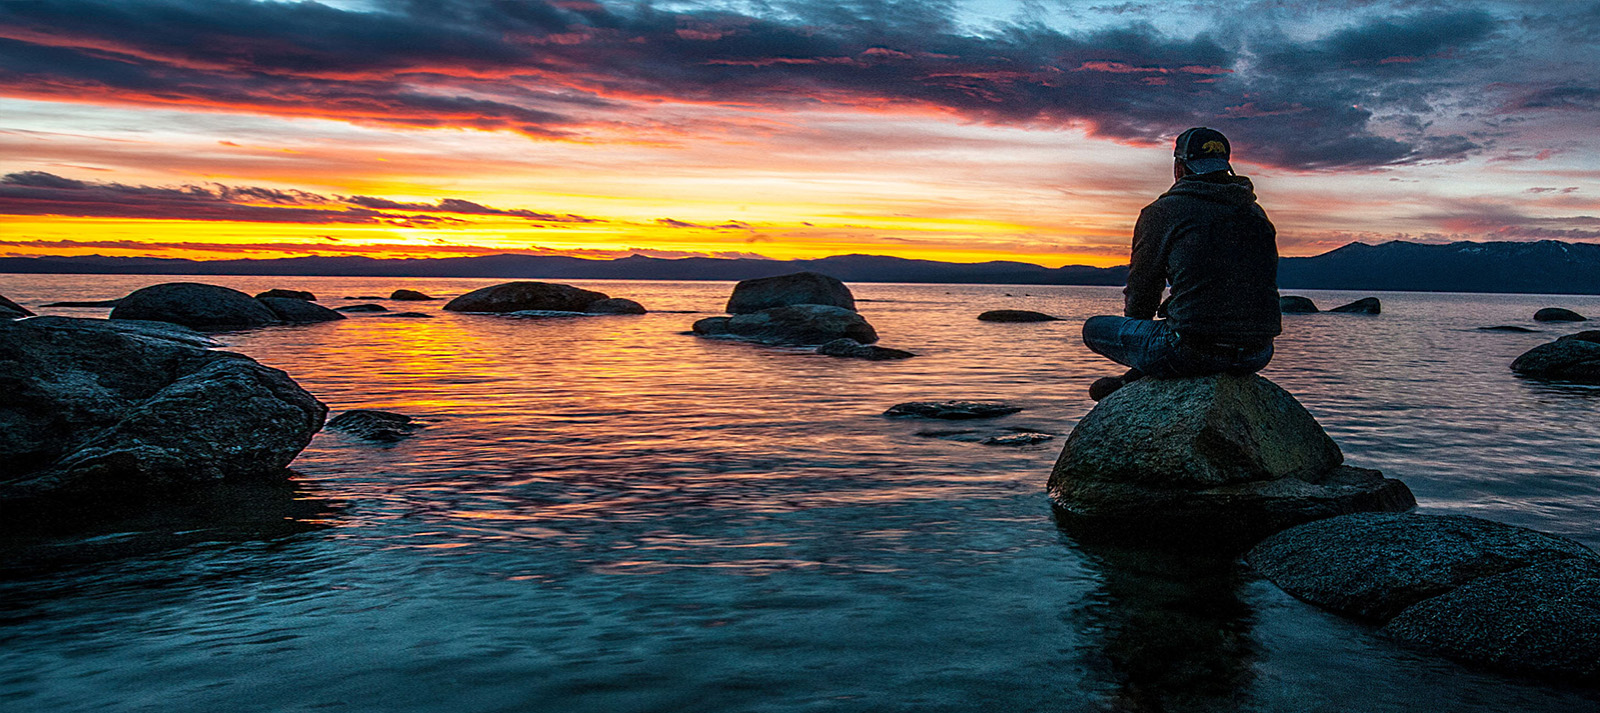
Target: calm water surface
[{"x": 605, "y": 514}]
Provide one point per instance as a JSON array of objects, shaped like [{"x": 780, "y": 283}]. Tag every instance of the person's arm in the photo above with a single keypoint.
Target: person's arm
[{"x": 1147, "y": 271}]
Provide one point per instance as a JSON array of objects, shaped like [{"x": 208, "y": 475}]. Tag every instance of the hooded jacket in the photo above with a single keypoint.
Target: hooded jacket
[{"x": 1207, "y": 238}]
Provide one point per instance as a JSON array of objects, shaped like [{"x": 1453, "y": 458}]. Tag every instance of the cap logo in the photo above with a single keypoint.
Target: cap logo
[{"x": 1214, "y": 147}]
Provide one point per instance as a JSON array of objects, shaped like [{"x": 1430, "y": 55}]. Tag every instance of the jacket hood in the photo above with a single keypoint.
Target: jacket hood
[{"x": 1228, "y": 190}]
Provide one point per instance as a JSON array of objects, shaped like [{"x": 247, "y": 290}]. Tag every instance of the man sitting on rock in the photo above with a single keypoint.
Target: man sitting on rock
[{"x": 1207, "y": 238}]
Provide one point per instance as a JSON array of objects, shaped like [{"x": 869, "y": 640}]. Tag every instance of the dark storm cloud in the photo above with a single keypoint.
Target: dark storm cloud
[{"x": 554, "y": 68}]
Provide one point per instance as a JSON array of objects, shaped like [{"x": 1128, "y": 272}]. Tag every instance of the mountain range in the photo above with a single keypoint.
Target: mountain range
[{"x": 1544, "y": 267}]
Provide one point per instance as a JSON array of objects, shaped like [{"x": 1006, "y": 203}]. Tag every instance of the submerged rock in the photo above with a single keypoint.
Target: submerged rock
[
  {"x": 1558, "y": 314},
  {"x": 1017, "y": 439},
  {"x": 1233, "y": 456},
  {"x": 287, "y": 294},
  {"x": 799, "y": 325},
  {"x": 410, "y": 315},
  {"x": 1507, "y": 328},
  {"x": 615, "y": 305},
  {"x": 1569, "y": 358},
  {"x": 1294, "y": 304},
  {"x": 372, "y": 425},
  {"x": 852, "y": 349},
  {"x": 114, "y": 410},
  {"x": 298, "y": 311},
  {"x": 12, "y": 310},
  {"x": 1374, "y": 565},
  {"x": 1365, "y": 305},
  {"x": 807, "y": 288},
  {"x": 410, "y": 296},
  {"x": 522, "y": 296},
  {"x": 87, "y": 303},
  {"x": 951, "y": 410},
  {"x": 195, "y": 305},
  {"x": 361, "y": 308},
  {"x": 1015, "y": 315}
]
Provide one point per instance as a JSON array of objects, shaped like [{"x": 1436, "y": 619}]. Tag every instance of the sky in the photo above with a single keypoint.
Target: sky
[{"x": 936, "y": 129}]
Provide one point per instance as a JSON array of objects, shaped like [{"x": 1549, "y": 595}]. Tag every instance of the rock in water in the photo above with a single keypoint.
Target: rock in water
[
  {"x": 615, "y": 305},
  {"x": 1235, "y": 456},
  {"x": 852, "y": 349},
  {"x": 803, "y": 324},
  {"x": 808, "y": 288},
  {"x": 12, "y": 310},
  {"x": 1374, "y": 565},
  {"x": 520, "y": 296},
  {"x": 194, "y": 305},
  {"x": 410, "y": 296},
  {"x": 1365, "y": 305},
  {"x": 1557, "y": 314},
  {"x": 1568, "y": 358},
  {"x": 951, "y": 410},
  {"x": 1015, "y": 315},
  {"x": 1293, "y": 304},
  {"x": 288, "y": 294},
  {"x": 382, "y": 426},
  {"x": 1017, "y": 439},
  {"x": 1507, "y": 328},
  {"x": 713, "y": 327},
  {"x": 87, "y": 303},
  {"x": 298, "y": 311},
  {"x": 101, "y": 410},
  {"x": 361, "y": 308}
]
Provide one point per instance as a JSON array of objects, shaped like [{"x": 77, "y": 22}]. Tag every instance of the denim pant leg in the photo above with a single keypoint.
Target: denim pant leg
[{"x": 1147, "y": 345}]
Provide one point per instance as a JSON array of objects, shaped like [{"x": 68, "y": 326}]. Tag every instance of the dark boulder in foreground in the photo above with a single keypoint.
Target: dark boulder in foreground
[
  {"x": 12, "y": 310},
  {"x": 298, "y": 311},
  {"x": 808, "y": 288},
  {"x": 852, "y": 349},
  {"x": 372, "y": 425},
  {"x": 615, "y": 305},
  {"x": 87, "y": 303},
  {"x": 951, "y": 410},
  {"x": 1570, "y": 358},
  {"x": 1507, "y": 328},
  {"x": 1541, "y": 620},
  {"x": 1234, "y": 457},
  {"x": 1015, "y": 315},
  {"x": 287, "y": 294},
  {"x": 1374, "y": 565},
  {"x": 361, "y": 308},
  {"x": 195, "y": 305},
  {"x": 1365, "y": 305},
  {"x": 410, "y": 296},
  {"x": 799, "y": 325},
  {"x": 1294, "y": 304},
  {"x": 1558, "y": 314},
  {"x": 521, "y": 296},
  {"x": 97, "y": 409}
]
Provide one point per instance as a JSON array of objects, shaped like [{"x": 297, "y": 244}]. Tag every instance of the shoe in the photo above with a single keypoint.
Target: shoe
[{"x": 1107, "y": 385}]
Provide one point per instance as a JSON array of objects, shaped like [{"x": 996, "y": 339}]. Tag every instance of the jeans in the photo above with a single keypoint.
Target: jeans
[{"x": 1153, "y": 348}]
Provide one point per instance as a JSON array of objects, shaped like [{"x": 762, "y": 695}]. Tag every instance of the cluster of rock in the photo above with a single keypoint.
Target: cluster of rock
[
  {"x": 1295, "y": 304},
  {"x": 1574, "y": 357},
  {"x": 94, "y": 409},
  {"x": 1474, "y": 590},
  {"x": 1235, "y": 457},
  {"x": 213, "y": 308},
  {"x": 513, "y": 297},
  {"x": 802, "y": 309}
]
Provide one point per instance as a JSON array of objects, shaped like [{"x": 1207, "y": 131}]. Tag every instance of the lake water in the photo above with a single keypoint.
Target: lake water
[{"x": 606, "y": 514}]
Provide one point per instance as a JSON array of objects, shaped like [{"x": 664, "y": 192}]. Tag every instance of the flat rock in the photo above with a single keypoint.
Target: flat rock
[
  {"x": 546, "y": 314},
  {"x": 1374, "y": 565},
  {"x": 166, "y": 331},
  {"x": 195, "y": 305},
  {"x": 12, "y": 310},
  {"x": 361, "y": 308},
  {"x": 951, "y": 410},
  {"x": 1017, "y": 439},
  {"x": 410, "y": 315},
  {"x": 373, "y": 425},
  {"x": 409, "y": 296},
  {"x": 1365, "y": 305},
  {"x": 1571, "y": 359},
  {"x": 520, "y": 296},
  {"x": 615, "y": 305},
  {"x": 87, "y": 303},
  {"x": 797, "y": 325},
  {"x": 1507, "y": 328},
  {"x": 809, "y": 288},
  {"x": 852, "y": 349},
  {"x": 91, "y": 409},
  {"x": 1015, "y": 315},
  {"x": 287, "y": 294},
  {"x": 1558, "y": 314},
  {"x": 1542, "y": 620},
  {"x": 294, "y": 310},
  {"x": 1294, "y": 304}
]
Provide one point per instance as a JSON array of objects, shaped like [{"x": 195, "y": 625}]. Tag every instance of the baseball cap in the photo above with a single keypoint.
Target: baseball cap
[{"x": 1203, "y": 150}]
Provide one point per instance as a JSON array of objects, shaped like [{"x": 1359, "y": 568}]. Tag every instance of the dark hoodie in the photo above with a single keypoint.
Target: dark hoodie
[{"x": 1209, "y": 239}]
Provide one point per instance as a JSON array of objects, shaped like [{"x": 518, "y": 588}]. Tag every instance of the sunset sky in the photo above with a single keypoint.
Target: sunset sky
[{"x": 951, "y": 130}]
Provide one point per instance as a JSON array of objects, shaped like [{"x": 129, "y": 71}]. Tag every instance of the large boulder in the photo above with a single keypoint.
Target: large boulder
[
  {"x": 1295, "y": 304},
  {"x": 1365, "y": 305},
  {"x": 287, "y": 294},
  {"x": 1233, "y": 455},
  {"x": 1570, "y": 358},
  {"x": 808, "y": 288},
  {"x": 112, "y": 410},
  {"x": 1558, "y": 314},
  {"x": 294, "y": 310},
  {"x": 195, "y": 305},
  {"x": 1016, "y": 315},
  {"x": 1374, "y": 565},
  {"x": 803, "y": 324},
  {"x": 1543, "y": 620},
  {"x": 12, "y": 310},
  {"x": 520, "y": 296},
  {"x": 410, "y": 296}
]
